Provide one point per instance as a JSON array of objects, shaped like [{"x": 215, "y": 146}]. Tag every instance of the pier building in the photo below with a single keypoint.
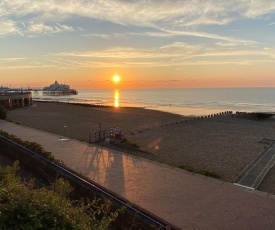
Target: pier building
[
  {"x": 15, "y": 98},
  {"x": 57, "y": 89}
]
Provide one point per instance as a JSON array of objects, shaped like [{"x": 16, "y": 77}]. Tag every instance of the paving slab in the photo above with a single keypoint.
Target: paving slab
[{"x": 185, "y": 200}]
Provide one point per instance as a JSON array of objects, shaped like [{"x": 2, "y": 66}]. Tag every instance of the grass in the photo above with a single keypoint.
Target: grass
[
  {"x": 129, "y": 143},
  {"x": 200, "y": 171}
]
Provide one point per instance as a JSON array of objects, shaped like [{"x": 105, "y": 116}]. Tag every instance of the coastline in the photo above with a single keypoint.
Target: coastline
[
  {"x": 223, "y": 145},
  {"x": 183, "y": 101},
  {"x": 176, "y": 110}
]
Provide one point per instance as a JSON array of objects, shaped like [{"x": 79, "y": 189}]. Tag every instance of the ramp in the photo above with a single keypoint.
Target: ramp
[{"x": 253, "y": 174}]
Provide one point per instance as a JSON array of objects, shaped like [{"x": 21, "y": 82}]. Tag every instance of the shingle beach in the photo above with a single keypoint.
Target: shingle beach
[{"x": 224, "y": 145}]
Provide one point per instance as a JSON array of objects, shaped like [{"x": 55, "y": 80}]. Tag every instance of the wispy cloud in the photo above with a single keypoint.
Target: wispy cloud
[
  {"x": 175, "y": 54},
  {"x": 41, "y": 28},
  {"x": 30, "y": 66},
  {"x": 164, "y": 14},
  {"x": 212, "y": 36},
  {"x": 258, "y": 8},
  {"x": 8, "y": 27},
  {"x": 173, "y": 50},
  {"x": 107, "y": 36},
  {"x": 11, "y": 59}
]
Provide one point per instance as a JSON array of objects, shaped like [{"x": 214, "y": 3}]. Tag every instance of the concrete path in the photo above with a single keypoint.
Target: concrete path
[
  {"x": 181, "y": 198},
  {"x": 253, "y": 175}
]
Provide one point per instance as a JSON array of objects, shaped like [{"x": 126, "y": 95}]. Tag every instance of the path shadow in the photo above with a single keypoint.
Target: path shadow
[{"x": 107, "y": 167}]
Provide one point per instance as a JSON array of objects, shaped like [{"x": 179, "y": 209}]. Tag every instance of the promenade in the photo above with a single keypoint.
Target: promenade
[{"x": 186, "y": 200}]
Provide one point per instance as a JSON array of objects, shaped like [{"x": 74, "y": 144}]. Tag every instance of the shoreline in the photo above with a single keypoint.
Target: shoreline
[
  {"x": 86, "y": 104},
  {"x": 224, "y": 145},
  {"x": 185, "y": 111},
  {"x": 196, "y": 102}
]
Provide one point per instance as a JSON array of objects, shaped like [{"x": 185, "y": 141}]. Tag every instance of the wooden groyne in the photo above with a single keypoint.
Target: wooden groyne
[{"x": 189, "y": 119}]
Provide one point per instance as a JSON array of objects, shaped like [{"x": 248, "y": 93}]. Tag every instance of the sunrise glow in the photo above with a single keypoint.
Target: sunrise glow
[{"x": 116, "y": 78}]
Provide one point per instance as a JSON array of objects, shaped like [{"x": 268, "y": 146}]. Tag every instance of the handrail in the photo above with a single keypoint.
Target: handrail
[{"x": 108, "y": 195}]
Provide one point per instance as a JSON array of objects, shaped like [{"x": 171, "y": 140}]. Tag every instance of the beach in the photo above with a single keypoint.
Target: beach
[{"x": 224, "y": 145}]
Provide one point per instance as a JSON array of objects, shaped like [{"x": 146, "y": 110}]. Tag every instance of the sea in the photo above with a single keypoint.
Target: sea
[{"x": 183, "y": 101}]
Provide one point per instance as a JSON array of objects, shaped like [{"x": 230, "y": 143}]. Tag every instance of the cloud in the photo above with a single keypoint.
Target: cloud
[
  {"x": 27, "y": 66},
  {"x": 176, "y": 49},
  {"x": 106, "y": 36},
  {"x": 172, "y": 80},
  {"x": 174, "y": 54},
  {"x": 13, "y": 63},
  {"x": 41, "y": 28},
  {"x": 11, "y": 59},
  {"x": 11, "y": 27},
  {"x": 162, "y": 19},
  {"x": 258, "y": 8},
  {"x": 165, "y": 14},
  {"x": 8, "y": 27}
]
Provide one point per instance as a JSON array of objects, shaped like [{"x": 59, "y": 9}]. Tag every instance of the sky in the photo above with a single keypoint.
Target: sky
[{"x": 148, "y": 43}]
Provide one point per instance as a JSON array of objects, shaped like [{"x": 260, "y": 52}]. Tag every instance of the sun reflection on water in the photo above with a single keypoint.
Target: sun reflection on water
[{"x": 116, "y": 96}]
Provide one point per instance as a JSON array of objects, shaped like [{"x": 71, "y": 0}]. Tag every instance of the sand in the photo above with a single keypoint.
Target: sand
[{"x": 223, "y": 145}]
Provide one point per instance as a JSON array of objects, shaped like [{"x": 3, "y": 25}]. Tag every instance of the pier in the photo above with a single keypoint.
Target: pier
[
  {"x": 15, "y": 98},
  {"x": 59, "y": 92}
]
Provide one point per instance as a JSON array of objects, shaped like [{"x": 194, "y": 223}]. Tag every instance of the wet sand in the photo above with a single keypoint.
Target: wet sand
[{"x": 223, "y": 145}]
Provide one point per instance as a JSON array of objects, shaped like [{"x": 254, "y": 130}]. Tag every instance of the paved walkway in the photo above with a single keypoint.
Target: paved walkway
[{"x": 183, "y": 199}]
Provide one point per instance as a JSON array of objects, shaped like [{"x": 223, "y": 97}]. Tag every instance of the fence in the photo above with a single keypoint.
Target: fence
[{"x": 97, "y": 136}]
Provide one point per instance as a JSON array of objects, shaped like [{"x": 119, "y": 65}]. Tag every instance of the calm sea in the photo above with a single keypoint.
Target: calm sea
[{"x": 179, "y": 101}]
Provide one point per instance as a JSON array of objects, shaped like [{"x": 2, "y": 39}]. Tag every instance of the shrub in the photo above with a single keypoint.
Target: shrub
[
  {"x": 129, "y": 143},
  {"x": 200, "y": 171},
  {"x": 31, "y": 146},
  {"x": 3, "y": 112},
  {"x": 25, "y": 207}
]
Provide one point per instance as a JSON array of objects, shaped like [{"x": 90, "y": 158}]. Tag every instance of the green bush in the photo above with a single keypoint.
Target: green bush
[
  {"x": 3, "y": 112},
  {"x": 129, "y": 143},
  {"x": 31, "y": 146},
  {"x": 25, "y": 207},
  {"x": 200, "y": 171}
]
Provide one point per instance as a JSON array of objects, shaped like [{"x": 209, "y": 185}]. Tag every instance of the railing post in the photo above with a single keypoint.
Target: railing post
[{"x": 104, "y": 135}]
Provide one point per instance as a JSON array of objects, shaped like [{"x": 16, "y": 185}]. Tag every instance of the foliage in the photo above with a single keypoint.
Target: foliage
[
  {"x": 3, "y": 113},
  {"x": 129, "y": 143},
  {"x": 25, "y": 207},
  {"x": 199, "y": 171},
  {"x": 30, "y": 145}
]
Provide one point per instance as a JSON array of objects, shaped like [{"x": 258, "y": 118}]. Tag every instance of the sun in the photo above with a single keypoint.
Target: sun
[{"x": 116, "y": 78}]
